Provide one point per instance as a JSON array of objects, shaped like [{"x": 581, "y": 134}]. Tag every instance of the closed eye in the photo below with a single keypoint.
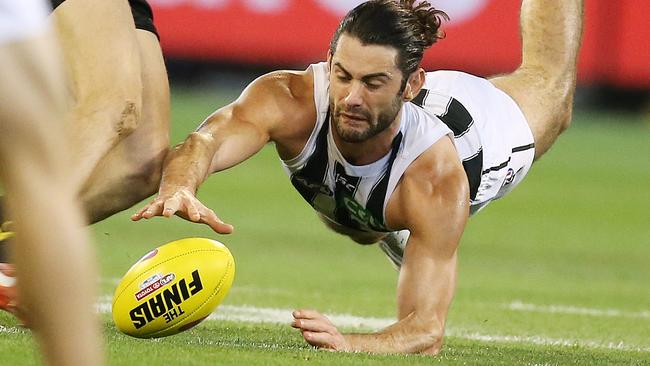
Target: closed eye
[
  {"x": 374, "y": 86},
  {"x": 343, "y": 78}
]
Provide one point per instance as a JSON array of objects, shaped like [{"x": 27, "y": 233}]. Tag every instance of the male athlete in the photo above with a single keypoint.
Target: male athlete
[
  {"x": 118, "y": 106},
  {"x": 53, "y": 258},
  {"x": 381, "y": 149}
]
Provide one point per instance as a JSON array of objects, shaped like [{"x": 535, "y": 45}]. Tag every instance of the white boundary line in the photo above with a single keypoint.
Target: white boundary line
[
  {"x": 252, "y": 314},
  {"x": 516, "y": 305},
  {"x": 564, "y": 309}
]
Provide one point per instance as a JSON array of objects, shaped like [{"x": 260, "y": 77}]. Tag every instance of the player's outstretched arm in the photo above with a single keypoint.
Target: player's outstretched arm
[
  {"x": 432, "y": 201},
  {"x": 226, "y": 138}
]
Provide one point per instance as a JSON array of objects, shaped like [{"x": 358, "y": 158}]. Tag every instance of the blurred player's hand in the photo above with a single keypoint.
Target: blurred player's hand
[
  {"x": 319, "y": 331},
  {"x": 184, "y": 204}
]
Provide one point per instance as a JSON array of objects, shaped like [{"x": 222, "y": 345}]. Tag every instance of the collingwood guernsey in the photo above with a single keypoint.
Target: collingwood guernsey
[{"x": 356, "y": 196}]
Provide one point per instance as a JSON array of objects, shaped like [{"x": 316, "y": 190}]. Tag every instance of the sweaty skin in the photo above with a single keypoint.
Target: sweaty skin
[
  {"x": 364, "y": 84},
  {"x": 433, "y": 189}
]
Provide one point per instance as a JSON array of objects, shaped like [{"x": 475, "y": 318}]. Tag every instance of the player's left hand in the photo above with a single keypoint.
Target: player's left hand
[{"x": 319, "y": 331}]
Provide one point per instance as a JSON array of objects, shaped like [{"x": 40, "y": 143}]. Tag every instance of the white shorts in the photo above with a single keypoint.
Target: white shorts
[
  {"x": 501, "y": 176},
  {"x": 507, "y": 142},
  {"x": 20, "y": 19},
  {"x": 491, "y": 134}
]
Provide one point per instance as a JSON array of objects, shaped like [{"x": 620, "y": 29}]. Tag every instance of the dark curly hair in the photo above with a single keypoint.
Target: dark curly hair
[{"x": 408, "y": 27}]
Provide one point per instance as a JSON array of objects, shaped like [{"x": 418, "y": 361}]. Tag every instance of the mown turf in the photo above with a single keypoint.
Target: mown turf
[
  {"x": 228, "y": 343},
  {"x": 575, "y": 233}
]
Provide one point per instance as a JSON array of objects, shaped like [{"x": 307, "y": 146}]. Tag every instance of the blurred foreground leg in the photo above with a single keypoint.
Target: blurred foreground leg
[{"x": 56, "y": 270}]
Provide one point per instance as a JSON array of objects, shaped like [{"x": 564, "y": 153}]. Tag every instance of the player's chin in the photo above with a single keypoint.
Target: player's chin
[{"x": 354, "y": 135}]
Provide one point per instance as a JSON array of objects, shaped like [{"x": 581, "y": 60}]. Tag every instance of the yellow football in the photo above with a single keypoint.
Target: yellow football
[{"x": 173, "y": 288}]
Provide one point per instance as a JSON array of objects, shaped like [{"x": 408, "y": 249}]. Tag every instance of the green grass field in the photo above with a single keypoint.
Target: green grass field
[{"x": 557, "y": 273}]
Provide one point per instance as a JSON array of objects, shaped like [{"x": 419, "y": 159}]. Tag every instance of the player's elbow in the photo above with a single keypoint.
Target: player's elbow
[{"x": 565, "y": 114}]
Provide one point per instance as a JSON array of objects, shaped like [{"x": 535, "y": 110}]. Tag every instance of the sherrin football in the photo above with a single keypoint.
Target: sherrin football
[{"x": 173, "y": 288}]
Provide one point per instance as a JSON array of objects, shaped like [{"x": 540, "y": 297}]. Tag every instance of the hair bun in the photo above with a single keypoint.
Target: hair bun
[{"x": 429, "y": 18}]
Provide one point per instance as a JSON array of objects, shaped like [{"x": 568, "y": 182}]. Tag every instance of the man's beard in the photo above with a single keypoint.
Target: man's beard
[{"x": 375, "y": 126}]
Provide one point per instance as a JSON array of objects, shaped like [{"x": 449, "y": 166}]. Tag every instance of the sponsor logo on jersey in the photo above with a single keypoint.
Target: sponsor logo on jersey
[
  {"x": 343, "y": 181},
  {"x": 167, "y": 304},
  {"x": 364, "y": 218},
  {"x": 313, "y": 187}
]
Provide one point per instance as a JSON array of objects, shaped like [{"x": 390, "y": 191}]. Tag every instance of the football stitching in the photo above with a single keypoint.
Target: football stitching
[
  {"x": 167, "y": 260},
  {"x": 230, "y": 265}
]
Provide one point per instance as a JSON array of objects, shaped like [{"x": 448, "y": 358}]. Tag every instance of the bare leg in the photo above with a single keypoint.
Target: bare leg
[
  {"x": 131, "y": 171},
  {"x": 544, "y": 84},
  {"x": 103, "y": 59},
  {"x": 55, "y": 265}
]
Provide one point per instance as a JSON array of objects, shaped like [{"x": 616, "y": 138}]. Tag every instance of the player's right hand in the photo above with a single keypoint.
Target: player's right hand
[{"x": 184, "y": 204}]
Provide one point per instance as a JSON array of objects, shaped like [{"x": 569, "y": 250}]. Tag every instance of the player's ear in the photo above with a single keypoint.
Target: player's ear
[
  {"x": 329, "y": 60},
  {"x": 414, "y": 84}
]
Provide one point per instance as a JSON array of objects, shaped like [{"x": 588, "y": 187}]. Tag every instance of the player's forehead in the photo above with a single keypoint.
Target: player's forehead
[{"x": 360, "y": 60}]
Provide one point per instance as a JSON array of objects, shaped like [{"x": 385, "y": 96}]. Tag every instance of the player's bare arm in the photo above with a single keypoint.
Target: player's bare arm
[
  {"x": 272, "y": 108},
  {"x": 432, "y": 201}
]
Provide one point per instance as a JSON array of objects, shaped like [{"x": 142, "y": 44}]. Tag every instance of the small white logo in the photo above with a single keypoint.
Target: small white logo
[{"x": 510, "y": 176}]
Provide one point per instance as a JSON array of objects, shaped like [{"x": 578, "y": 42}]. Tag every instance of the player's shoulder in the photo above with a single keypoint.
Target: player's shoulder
[
  {"x": 437, "y": 165},
  {"x": 435, "y": 172},
  {"x": 284, "y": 101},
  {"x": 434, "y": 180},
  {"x": 286, "y": 86},
  {"x": 279, "y": 95}
]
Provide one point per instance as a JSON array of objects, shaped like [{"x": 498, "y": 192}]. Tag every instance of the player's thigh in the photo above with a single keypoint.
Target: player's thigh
[
  {"x": 545, "y": 103},
  {"x": 153, "y": 130},
  {"x": 137, "y": 159},
  {"x": 100, "y": 49}
]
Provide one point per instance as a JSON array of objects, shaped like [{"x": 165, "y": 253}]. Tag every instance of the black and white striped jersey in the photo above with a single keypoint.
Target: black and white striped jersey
[
  {"x": 356, "y": 196},
  {"x": 492, "y": 137}
]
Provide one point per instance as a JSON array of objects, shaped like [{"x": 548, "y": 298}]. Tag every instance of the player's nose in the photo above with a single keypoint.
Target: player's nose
[{"x": 354, "y": 95}]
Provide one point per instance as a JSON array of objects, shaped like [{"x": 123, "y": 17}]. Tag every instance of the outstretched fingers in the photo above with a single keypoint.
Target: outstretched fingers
[
  {"x": 185, "y": 205},
  {"x": 197, "y": 212},
  {"x": 170, "y": 206},
  {"x": 209, "y": 218},
  {"x": 318, "y": 330},
  {"x": 150, "y": 210}
]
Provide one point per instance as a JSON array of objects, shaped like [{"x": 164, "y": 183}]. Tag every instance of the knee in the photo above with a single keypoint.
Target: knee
[
  {"x": 564, "y": 112},
  {"x": 565, "y": 118},
  {"x": 148, "y": 176},
  {"x": 107, "y": 193},
  {"x": 556, "y": 103}
]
